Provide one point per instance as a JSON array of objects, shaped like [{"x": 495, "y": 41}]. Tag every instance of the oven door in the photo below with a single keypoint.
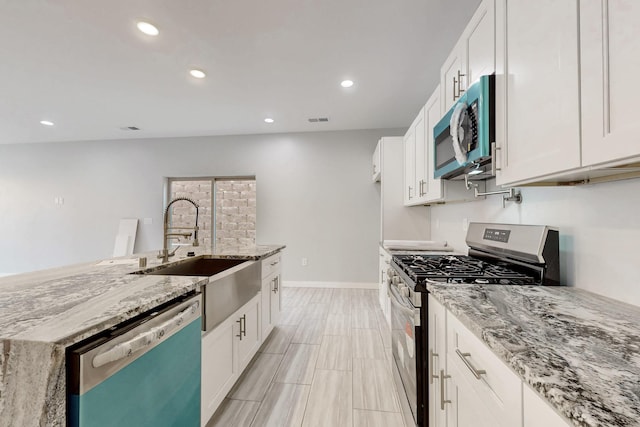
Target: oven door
[{"x": 403, "y": 344}]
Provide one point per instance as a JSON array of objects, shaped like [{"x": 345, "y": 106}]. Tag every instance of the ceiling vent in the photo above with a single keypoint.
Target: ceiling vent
[
  {"x": 318, "y": 119},
  {"x": 129, "y": 128}
]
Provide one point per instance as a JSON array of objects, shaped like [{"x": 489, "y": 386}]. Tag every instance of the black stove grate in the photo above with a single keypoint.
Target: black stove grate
[{"x": 460, "y": 269}]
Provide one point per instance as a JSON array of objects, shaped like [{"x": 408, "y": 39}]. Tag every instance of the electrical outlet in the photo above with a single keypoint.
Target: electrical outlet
[
  {"x": 465, "y": 224},
  {"x": 438, "y": 223},
  {"x": 304, "y": 262}
]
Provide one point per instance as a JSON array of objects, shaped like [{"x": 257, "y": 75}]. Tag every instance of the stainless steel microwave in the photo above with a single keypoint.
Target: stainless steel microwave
[{"x": 463, "y": 137}]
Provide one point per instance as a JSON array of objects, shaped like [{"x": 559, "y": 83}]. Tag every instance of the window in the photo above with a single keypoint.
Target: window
[{"x": 232, "y": 210}]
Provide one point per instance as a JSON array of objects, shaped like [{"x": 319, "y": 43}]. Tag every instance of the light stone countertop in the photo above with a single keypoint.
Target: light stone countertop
[
  {"x": 44, "y": 312},
  {"x": 578, "y": 350}
]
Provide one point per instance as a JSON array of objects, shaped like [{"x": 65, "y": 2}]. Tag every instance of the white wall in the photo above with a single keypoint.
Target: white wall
[
  {"x": 314, "y": 194},
  {"x": 599, "y": 231}
]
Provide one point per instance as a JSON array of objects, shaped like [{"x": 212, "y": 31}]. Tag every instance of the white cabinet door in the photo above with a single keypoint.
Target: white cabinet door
[
  {"x": 436, "y": 363},
  {"x": 479, "y": 39},
  {"x": 538, "y": 413},
  {"x": 219, "y": 367},
  {"x": 270, "y": 309},
  {"x": 465, "y": 408},
  {"x": 433, "y": 114},
  {"x": 610, "y": 61},
  {"x": 421, "y": 180},
  {"x": 248, "y": 331},
  {"x": 409, "y": 166},
  {"x": 472, "y": 56},
  {"x": 537, "y": 88},
  {"x": 481, "y": 382},
  {"x": 376, "y": 163},
  {"x": 275, "y": 306},
  {"x": 452, "y": 79}
]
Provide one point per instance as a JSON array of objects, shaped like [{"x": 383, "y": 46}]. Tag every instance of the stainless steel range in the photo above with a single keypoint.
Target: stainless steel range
[{"x": 499, "y": 254}]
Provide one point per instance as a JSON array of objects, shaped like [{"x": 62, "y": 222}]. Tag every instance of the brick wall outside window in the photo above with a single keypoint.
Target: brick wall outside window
[
  {"x": 235, "y": 211},
  {"x": 183, "y": 214},
  {"x": 235, "y": 214}
]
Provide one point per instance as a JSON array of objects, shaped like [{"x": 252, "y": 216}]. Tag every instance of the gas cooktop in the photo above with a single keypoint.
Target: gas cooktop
[
  {"x": 504, "y": 254},
  {"x": 460, "y": 269}
]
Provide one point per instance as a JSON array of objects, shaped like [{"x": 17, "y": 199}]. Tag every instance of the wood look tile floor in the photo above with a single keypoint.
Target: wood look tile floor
[{"x": 326, "y": 364}]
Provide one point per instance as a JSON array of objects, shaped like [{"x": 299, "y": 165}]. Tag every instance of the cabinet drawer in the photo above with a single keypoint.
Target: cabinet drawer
[
  {"x": 493, "y": 382},
  {"x": 271, "y": 264}
]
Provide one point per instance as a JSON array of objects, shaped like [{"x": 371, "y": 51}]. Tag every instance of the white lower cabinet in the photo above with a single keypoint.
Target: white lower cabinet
[
  {"x": 469, "y": 386},
  {"x": 226, "y": 351},
  {"x": 436, "y": 363},
  {"x": 483, "y": 390},
  {"x": 219, "y": 367},
  {"x": 383, "y": 296},
  {"x": 271, "y": 296},
  {"x": 537, "y": 413},
  {"x": 249, "y": 334}
]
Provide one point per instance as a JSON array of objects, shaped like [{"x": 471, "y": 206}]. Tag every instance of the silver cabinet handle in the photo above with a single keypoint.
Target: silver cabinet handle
[
  {"x": 454, "y": 88},
  {"x": 442, "y": 399},
  {"x": 274, "y": 263},
  {"x": 494, "y": 158},
  {"x": 460, "y": 90},
  {"x": 432, "y": 376},
  {"x": 243, "y": 326},
  {"x": 410, "y": 188},
  {"x": 476, "y": 372}
]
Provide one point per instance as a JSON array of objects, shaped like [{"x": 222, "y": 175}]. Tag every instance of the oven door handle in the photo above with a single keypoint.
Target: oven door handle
[{"x": 401, "y": 301}]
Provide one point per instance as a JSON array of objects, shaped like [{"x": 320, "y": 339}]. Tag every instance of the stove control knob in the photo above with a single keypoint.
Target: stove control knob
[
  {"x": 404, "y": 291},
  {"x": 395, "y": 280}
]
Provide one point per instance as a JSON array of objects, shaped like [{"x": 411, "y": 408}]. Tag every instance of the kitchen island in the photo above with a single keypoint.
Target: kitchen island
[
  {"x": 43, "y": 313},
  {"x": 579, "y": 351}
]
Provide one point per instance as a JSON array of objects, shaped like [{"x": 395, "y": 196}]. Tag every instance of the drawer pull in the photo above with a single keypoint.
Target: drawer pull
[
  {"x": 442, "y": 400},
  {"x": 432, "y": 376},
  {"x": 476, "y": 372}
]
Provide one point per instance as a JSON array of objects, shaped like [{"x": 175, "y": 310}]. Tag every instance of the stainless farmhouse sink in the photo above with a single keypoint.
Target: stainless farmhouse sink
[
  {"x": 232, "y": 283},
  {"x": 197, "y": 267}
]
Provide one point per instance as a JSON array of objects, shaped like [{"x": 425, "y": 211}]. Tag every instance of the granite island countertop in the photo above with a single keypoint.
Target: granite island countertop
[
  {"x": 578, "y": 350},
  {"x": 42, "y": 313}
]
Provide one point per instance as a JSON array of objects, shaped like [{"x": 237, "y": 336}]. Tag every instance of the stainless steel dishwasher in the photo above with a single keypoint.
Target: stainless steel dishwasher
[{"x": 145, "y": 372}]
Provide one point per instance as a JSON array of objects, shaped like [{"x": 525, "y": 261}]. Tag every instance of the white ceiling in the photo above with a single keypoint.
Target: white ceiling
[{"x": 83, "y": 65}]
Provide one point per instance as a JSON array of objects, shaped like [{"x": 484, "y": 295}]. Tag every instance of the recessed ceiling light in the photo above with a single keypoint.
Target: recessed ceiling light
[
  {"x": 147, "y": 28},
  {"x": 346, "y": 83},
  {"x": 269, "y": 120},
  {"x": 46, "y": 123},
  {"x": 198, "y": 74}
]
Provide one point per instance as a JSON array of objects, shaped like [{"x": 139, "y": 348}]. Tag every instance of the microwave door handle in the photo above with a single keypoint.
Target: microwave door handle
[{"x": 457, "y": 118}]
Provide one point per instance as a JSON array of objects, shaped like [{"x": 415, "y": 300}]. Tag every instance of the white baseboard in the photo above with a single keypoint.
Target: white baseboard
[{"x": 338, "y": 285}]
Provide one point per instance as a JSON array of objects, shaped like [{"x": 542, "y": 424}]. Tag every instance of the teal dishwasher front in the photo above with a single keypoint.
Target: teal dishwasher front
[{"x": 144, "y": 373}]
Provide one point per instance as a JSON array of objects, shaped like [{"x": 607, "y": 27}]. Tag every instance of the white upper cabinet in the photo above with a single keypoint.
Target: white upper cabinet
[
  {"x": 610, "y": 59},
  {"x": 410, "y": 163},
  {"x": 377, "y": 164},
  {"x": 472, "y": 57},
  {"x": 433, "y": 189},
  {"x": 421, "y": 169},
  {"x": 537, "y": 89},
  {"x": 452, "y": 76}
]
